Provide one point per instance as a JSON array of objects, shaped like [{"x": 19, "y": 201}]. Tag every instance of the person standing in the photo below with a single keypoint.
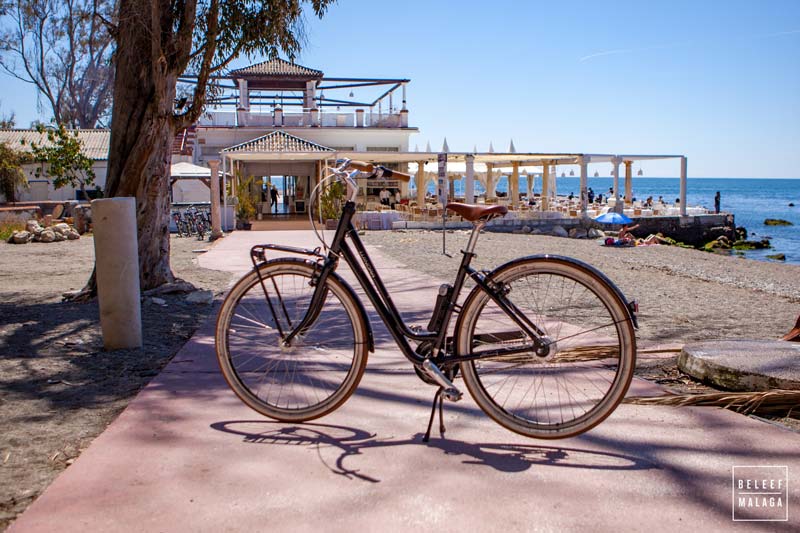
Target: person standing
[
  {"x": 273, "y": 194},
  {"x": 717, "y": 202},
  {"x": 590, "y": 195}
]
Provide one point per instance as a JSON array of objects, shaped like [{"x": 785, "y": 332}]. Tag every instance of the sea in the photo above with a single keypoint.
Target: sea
[{"x": 751, "y": 200}]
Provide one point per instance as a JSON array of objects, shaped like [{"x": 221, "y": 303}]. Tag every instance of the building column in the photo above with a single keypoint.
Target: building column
[
  {"x": 216, "y": 223},
  {"x": 583, "y": 162},
  {"x": 615, "y": 172},
  {"x": 513, "y": 184},
  {"x": 545, "y": 199},
  {"x": 244, "y": 96},
  {"x": 628, "y": 182},
  {"x": 421, "y": 184},
  {"x": 224, "y": 193},
  {"x": 683, "y": 186},
  {"x": 529, "y": 184},
  {"x": 469, "y": 186},
  {"x": 490, "y": 183}
]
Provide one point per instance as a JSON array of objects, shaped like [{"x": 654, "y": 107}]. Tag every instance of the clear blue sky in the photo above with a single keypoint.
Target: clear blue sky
[{"x": 718, "y": 81}]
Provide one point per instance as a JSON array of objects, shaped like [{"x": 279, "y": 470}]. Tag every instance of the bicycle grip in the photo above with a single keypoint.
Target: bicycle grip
[{"x": 362, "y": 166}]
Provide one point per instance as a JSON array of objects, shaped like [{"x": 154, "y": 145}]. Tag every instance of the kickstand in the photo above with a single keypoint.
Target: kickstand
[{"x": 438, "y": 397}]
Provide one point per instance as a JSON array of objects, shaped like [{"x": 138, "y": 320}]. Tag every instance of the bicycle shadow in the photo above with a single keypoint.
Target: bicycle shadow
[{"x": 351, "y": 442}]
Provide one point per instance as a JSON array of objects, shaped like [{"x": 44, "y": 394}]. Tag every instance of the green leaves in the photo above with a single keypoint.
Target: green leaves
[
  {"x": 12, "y": 178},
  {"x": 62, "y": 158}
]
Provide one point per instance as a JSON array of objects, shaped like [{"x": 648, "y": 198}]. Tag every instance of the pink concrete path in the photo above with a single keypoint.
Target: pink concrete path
[{"x": 186, "y": 455}]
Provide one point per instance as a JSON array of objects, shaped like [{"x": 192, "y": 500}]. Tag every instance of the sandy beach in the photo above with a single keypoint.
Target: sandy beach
[{"x": 684, "y": 295}]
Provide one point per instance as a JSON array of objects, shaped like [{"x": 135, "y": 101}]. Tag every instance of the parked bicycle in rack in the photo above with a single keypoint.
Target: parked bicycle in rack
[
  {"x": 545, "y": 344},
  {"x": 192, "y": 221}
]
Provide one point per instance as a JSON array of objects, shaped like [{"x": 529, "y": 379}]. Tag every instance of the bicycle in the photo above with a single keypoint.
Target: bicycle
[{"x": 545, "y": 344}]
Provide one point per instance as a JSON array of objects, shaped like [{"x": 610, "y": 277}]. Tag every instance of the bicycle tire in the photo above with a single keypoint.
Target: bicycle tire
[
  {"x": 592, "y": 348},
  {"x": 322, "y": 368}
]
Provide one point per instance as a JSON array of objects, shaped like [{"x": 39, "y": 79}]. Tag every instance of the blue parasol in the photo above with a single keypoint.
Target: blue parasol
[{"x": 613, "y": 218}]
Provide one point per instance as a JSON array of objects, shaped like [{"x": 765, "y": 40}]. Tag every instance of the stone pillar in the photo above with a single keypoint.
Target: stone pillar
[
  {"x": 545, "y": 185},
  {"x": 529, "y": 184},
  {"x": 513, "y": 184},
  {"x": 615, "y": 173},
  {"x": 116, "y": 250},
  {"x": 277, "y": 117},
  {"x": 421, "y": 184},
  {"x": 404, "y": 118},
  {"x": 244, "y": 96},
  {"x": 683, "y": 186},
  {"x": 309, "y": 102},
  {"x": 628, "y": 182},
  {"x": 314, "y": 114},
  {"x": 491, "y": 186},
  {"x": 359, "y": 118},
  {"x": 582, "y": 161},
  {"x": 216, "y": 222},
  {"x": 469, "y": 186}
]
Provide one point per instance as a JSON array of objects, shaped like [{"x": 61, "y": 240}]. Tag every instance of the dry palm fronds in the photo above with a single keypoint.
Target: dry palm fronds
[{"x": 771, "y": 402}]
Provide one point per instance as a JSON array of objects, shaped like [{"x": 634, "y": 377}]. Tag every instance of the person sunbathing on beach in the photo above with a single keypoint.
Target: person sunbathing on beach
[
  {"x": 625, "y": 235},
  {"x": 626, "y": 238}
]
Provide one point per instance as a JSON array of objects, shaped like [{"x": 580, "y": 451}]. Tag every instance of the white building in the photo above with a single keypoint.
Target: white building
[{"x": 95, "y": 145}]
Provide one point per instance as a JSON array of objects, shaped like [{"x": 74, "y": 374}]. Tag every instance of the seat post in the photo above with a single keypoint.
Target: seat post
[{"x": 477, "y": 226}]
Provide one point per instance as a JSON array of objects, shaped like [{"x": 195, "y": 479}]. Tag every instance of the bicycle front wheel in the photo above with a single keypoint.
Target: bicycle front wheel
[
  {"x": 321, "y": 368},
  {"x": 581, "y": 375}
]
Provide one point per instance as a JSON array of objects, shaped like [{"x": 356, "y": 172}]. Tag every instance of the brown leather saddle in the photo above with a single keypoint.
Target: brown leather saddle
[{"x": 474, "y": 213}]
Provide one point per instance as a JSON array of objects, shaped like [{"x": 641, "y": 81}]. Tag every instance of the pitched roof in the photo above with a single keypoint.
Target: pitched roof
[
  {"x": 278, "y": 141},
  {"x": 277, "y": 68},
  {"x": 95, "y": 142}
]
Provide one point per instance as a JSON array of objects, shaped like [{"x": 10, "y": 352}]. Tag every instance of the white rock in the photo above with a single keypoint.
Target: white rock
[
  {"x": 595, "y": 233},
  {"x": 200, "y": 297},
  {"x": 61, "y": 228},
  {"x": 47, "y": 235},
  {"x": 559, "y": 231},
  {"x": 158, "y": 301},
  {"x": 21, "y": 237},
  {"x": 33, "y": 226},
  {"x": 73, "y": 235},
  {"x": 60, "y": 237}
]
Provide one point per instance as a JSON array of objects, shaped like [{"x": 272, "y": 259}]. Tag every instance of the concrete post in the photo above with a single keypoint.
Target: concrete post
[
  {"x": 683, "y": 186},
  {"x": 420, "y": 178},
  {"x": 216, "y": 222},
  {"x": 545, "y": 185},
  {"x": 628, "y": 182},
  {"x": 513, "y": 184},
  {"x": 615, "y": 173},
  {"x": 469, "y": 186},
  {"x": 582, "y": 161},
  {"x": 359, "y": 118},
  {"x": 116, "y": 250}
]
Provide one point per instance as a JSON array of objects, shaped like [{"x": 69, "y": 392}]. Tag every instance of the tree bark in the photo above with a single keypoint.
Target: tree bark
[{"x": 141, "y": 133}]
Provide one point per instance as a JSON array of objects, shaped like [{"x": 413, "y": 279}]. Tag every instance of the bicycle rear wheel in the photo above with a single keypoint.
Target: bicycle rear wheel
[
  {"x": 320, "y": 369},
  {"x": 591, "y": 349}
]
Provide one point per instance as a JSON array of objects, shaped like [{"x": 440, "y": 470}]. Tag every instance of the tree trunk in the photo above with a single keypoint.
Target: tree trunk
[{"x": 141, "y": 131}]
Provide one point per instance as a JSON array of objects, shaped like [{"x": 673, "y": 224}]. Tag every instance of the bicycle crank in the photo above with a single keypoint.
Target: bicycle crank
[{"x": 449, "y": 390}]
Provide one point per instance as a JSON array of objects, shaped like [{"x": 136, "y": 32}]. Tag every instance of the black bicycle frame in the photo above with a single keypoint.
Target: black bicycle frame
[{"x": 376, "y": 291}]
